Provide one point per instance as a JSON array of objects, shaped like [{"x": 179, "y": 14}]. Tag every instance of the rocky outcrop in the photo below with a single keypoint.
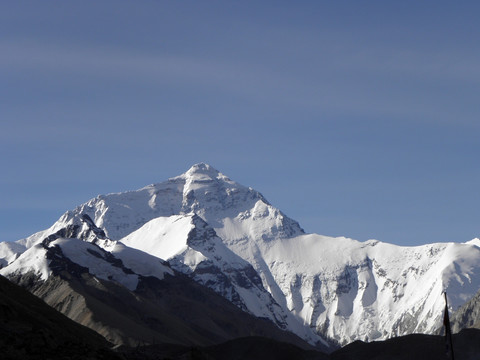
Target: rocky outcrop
[
  {"x": 467, "y": 316},
  {"x": 30, "y": 329}
]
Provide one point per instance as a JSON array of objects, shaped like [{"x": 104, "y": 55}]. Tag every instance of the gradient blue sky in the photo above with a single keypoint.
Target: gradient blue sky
[{"x": 356, "y": 118}]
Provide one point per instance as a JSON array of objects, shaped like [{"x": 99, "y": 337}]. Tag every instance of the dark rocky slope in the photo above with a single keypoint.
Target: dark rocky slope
[
  {"x": 174, "y": 310},
  {"x": 30, "y": 329},
  {"x": 468, "y": 315}
]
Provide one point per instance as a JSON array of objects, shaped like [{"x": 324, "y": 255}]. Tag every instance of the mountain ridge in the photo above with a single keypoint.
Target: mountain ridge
[
  {"x": 230, "y": 238},
  {"x": 95, "y": 288}
]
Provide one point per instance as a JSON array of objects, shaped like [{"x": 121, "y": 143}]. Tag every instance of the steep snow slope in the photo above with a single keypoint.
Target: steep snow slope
[
  {"x": 122, "y": 265},
  {"x": 350, "y": 290},
  {"x": 201, "y": 190},
  {"x": 228, "y": 237},
  {"x": 343, "y": 288},
  {"x": 191, "y": 246},
  {"x": 234, "y": 211}
]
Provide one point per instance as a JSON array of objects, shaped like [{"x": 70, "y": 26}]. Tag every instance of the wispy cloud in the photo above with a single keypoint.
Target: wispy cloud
[{"x": 345, "y": 80}]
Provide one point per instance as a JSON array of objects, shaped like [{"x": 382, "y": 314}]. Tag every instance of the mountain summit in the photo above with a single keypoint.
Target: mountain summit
[
  {"x": 202, "y": 190},
  {"x": 202, "y": 171},
  {"x": 229, "y": 238}
]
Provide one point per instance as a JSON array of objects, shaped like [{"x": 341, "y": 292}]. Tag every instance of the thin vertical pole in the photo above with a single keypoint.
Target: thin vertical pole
[{"x": 448, "y": 331}]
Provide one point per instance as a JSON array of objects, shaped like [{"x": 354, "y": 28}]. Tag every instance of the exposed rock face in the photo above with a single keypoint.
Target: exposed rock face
[
  {"x": 467, "y": 316},
  {"x": 30, "y": 329}
]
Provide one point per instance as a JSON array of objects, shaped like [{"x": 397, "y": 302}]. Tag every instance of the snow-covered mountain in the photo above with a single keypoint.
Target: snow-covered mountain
[
  {"x": 129, "y": 296},
  {"x": 231, "y": 239}
]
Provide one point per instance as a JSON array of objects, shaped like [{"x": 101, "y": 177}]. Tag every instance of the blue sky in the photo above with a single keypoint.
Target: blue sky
[{"x": 355, "y": 118}]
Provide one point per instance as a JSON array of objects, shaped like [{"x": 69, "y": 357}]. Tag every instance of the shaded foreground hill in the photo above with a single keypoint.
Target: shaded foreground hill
[
  {"x": 30, "y": 329},
  {"x": 173, "y": 310},
  {"x": 409, "y": 347},
  {"x": 251, "y": 348},
  {"x": 466, "y": 345}
]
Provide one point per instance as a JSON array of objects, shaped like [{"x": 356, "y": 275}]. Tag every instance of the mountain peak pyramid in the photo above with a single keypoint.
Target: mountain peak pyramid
[
  {"x": 204, "y": 171},
  {"x": 236, "y": 211}
]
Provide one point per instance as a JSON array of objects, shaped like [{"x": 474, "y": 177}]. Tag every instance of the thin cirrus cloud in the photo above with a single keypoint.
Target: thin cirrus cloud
[
  {"x": 340, "y": 81},
  {"x": 126, "y": 64}
]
